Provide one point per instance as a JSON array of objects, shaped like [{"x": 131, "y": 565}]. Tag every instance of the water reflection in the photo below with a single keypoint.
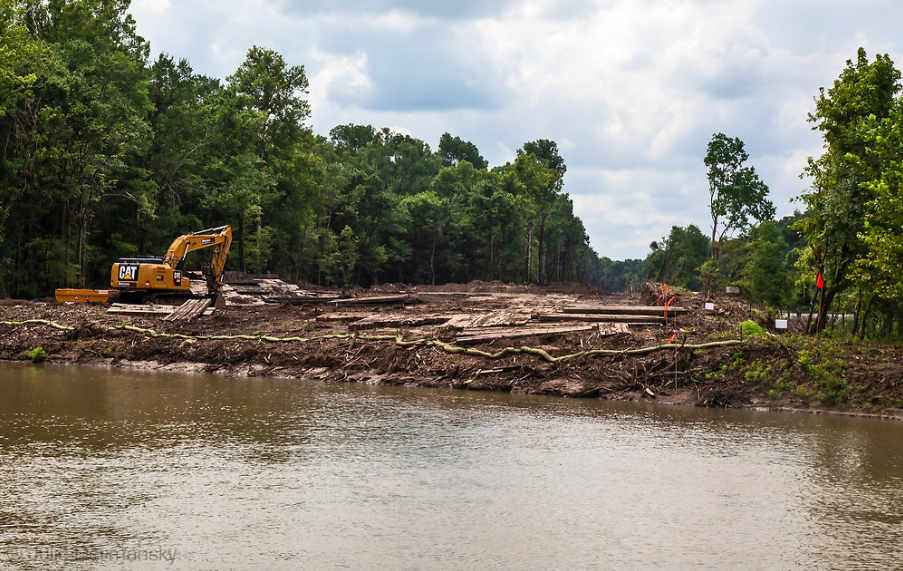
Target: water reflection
[{"x": 280, "y": 474}]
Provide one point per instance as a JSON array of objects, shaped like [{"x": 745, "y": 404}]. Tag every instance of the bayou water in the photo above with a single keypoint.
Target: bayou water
[{"x": 121, "y": 469}]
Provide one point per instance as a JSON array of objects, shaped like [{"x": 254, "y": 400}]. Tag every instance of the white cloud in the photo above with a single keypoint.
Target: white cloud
[
  {"x": 142, "y": 9},
  {"x": 398, "y": 21},
  {"x": 337, "y": 74},
  {"x": 632, "y": 90}
]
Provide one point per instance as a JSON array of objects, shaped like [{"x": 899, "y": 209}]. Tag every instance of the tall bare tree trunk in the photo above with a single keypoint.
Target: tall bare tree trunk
[
  {"x": 241, "y": 243},
  {"x": 67, "y": 225},
  {"x": 491, "y": 253},
  {"x": 432, "y": 263},
  {"x": 542, "y": 246},
  {"x": 825, "y": 299},
  {"x": 528, "y": 254}
]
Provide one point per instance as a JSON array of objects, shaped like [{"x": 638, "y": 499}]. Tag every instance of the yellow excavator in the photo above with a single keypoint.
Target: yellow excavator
[{"x": 160, "y": 279}]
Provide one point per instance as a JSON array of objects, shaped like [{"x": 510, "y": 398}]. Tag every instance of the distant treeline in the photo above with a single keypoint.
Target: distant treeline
[{"x": 108, "y": 154}]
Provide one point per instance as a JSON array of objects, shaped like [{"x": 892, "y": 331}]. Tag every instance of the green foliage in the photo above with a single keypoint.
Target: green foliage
[
  {"x": 783, "y": 384},
  {"x": 274, "y": 89},
  {"x": 837, "y": 198},
  {"x": 37, "y": 355},
  {"x": 882, "y": 264},
  {"x": 718, "y": 373},
  {"x": 735, "y": 192},
  {"x": 737, "y": 361},
  {"x": 453, "y": 150},
  {"x": 757, "y": 373},
  {"x": 15, "y": 46},
  {"x": 822, "y": 362},
  {"x": 87, "y": 131},
  {"x": 710, "y": 275},
  {"x": 752, "y": 329},
  {"x": 804, "y": 361},
  {"x": 618, "y": 275},
  {"x": 676, "y": 259},
  {"x": 765, "y": 275},
  {"x": 834, "y": 390}
]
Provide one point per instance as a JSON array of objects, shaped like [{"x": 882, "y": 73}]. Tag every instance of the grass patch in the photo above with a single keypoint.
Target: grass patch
[
  {"x": 823, "y": 363},
  {"x": 37, "y": 355},
  {"x": 718, "y": 373},
  {"x": 804, "y": 360},
  {"x": 752, "y": 329},
  {"x": 757, "y": 373}
]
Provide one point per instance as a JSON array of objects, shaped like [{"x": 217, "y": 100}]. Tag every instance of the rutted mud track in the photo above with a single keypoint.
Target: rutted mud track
[{"x": 327, "y": 344}]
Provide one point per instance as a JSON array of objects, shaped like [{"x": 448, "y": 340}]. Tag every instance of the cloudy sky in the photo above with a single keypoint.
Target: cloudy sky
[{"x": 631, "y": 90}]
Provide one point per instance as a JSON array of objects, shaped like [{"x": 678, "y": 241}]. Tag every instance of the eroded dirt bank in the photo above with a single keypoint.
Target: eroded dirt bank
[{"x": 484, "y": 336}]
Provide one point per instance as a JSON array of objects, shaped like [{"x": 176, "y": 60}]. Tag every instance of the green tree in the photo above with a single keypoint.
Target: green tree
[
  {"x": 348, "y": 252},
  {"x": 735, "y": 192},
  {"x": 266, "y": 84},
  {"x": 106, "y": 154},
  {"x": 238, "y": 186},
  {"x": 569, "y": 256},
  {"x": 351, "y": 139},
  {"x": 619, "y": 275},
  {"x": 429, "y": 220},
  {"x": 528, "y": 181},
  {"x": 676, "y": 259},
  {"x": 274, "y": 89},
  {"x": 461, "y": 190},
  {"x": 79, "y": 128},
  {"x": 880, "y": 269},
  {"x": 497, "y": 223},
  {"x": 546, "y": 152},
  {"x": 765, "y": 274},
  {"x": 454, "y": 150},
  {"x": 186, "y": 122},
  {"x": 15, "y": 46},
  {"x": 836, "y": 200},
  {"x": 372, "y": 173}
]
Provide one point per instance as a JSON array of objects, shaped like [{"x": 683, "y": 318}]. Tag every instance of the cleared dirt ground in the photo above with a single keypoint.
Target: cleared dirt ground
[{"x": 483, "y": 336}]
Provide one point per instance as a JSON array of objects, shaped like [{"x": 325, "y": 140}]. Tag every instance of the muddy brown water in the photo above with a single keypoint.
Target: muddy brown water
[{"x": 104, "y": 468}]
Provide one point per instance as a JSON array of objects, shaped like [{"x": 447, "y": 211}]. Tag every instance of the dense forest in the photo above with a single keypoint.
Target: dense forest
[{"x": 108, "y": 153}]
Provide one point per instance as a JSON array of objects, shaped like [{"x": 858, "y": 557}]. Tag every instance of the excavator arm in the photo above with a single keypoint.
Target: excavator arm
[{"x": 220, "y": 237}]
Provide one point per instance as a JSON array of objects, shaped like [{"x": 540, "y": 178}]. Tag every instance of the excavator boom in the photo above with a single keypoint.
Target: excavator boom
[{"x": 220, "y": 237}]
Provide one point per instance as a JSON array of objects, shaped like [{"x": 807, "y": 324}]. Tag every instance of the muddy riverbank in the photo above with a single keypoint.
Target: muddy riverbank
[{"x": 485, "y": 336}]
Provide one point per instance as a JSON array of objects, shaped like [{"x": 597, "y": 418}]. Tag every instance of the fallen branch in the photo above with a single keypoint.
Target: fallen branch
[
  {"x": 53, "y": 324},
  {"x": 400, "y": 341}
]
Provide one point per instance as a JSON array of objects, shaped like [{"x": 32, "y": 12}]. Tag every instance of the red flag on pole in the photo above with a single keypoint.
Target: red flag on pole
[{"x": 820, "y": 283}]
